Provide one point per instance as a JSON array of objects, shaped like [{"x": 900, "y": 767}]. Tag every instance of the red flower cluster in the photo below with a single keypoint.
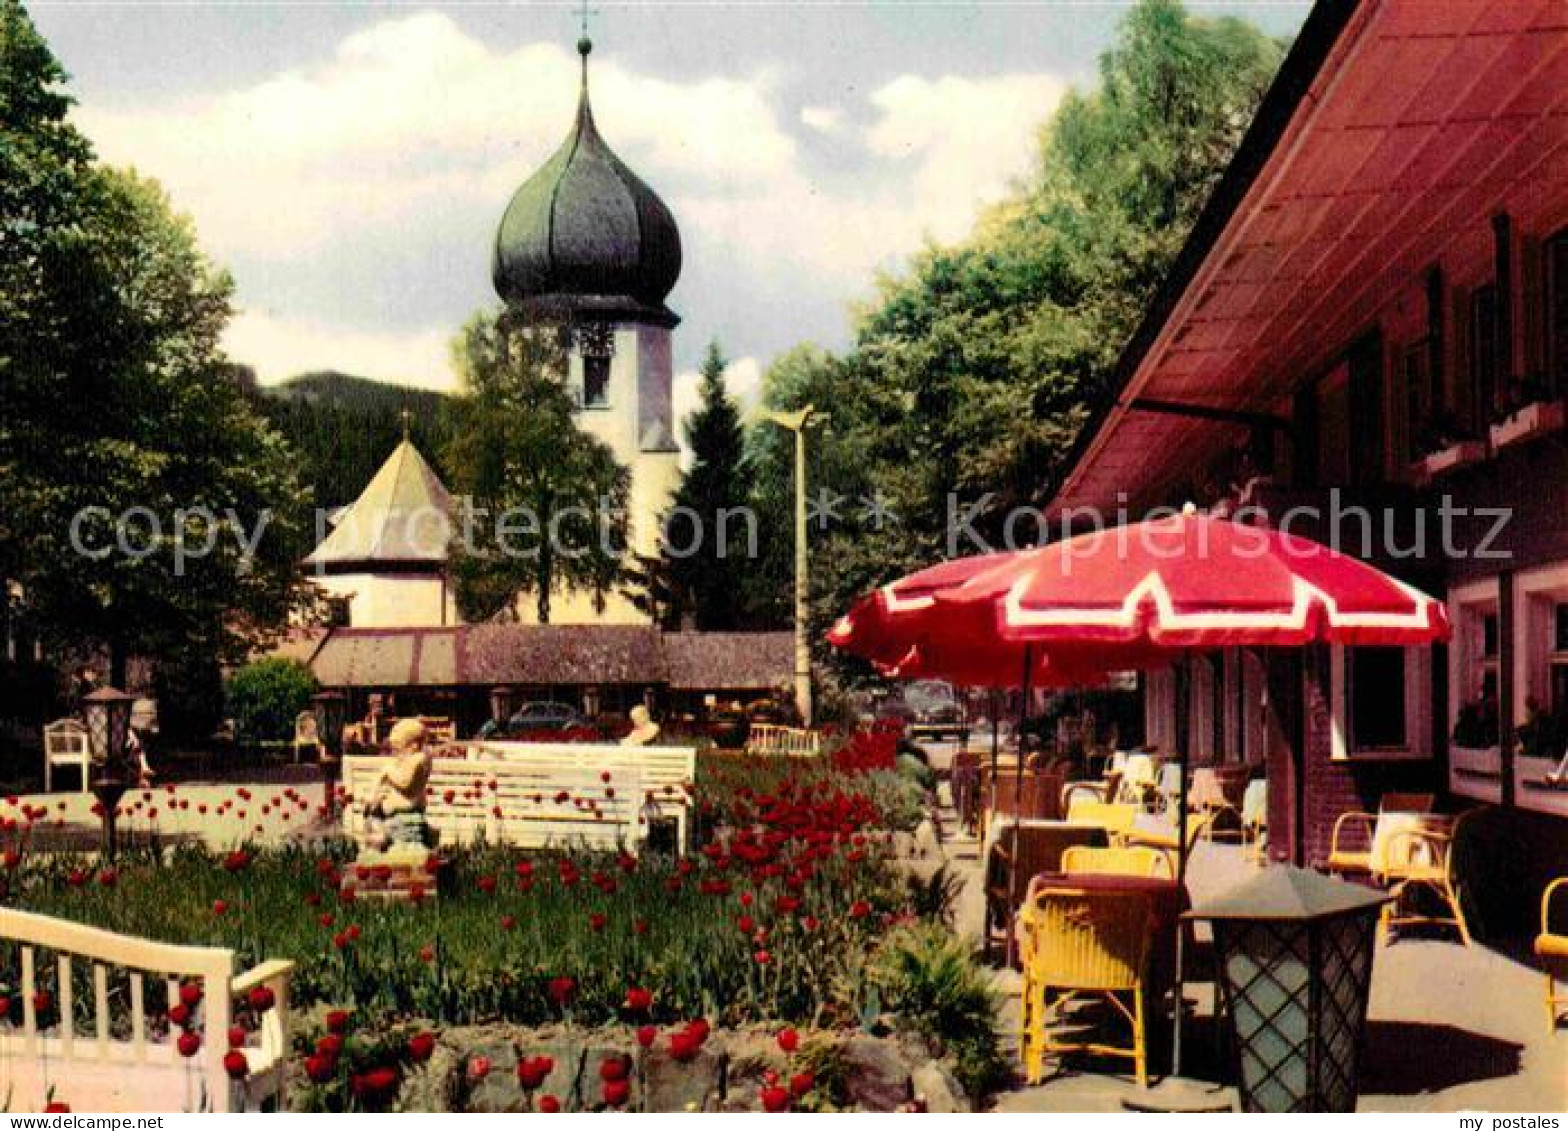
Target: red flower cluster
[{"x": 869, "y": 749}]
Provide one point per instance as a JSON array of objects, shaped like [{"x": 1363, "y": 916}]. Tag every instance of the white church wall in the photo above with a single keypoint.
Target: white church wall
[{"x": 383, "y": 601}]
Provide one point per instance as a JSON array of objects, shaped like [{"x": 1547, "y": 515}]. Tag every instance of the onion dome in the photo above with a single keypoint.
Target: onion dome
[{"x": 584, "y": 238}]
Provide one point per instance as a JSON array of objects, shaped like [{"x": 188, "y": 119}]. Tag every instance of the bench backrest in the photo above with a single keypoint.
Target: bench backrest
[
  {"x": 528, "y": 802},
  {"x": 667, "y": 772},
  {"x": 122, "y": 1063}
]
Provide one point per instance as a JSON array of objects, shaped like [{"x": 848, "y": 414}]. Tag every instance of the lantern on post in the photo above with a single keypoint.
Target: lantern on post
[
  {"x": 331, "y": 710},
  {"x": 1294, "y": 953},
  {"x": 107, "y": 714}
]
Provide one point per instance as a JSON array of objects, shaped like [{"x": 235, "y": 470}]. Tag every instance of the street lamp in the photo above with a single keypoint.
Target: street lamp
[
  {"x": 797, "y": 422},
  {"x": 331, "y": 709},
  {"x": 107, "y": 713},
  {"x": 501, "y": 699}
]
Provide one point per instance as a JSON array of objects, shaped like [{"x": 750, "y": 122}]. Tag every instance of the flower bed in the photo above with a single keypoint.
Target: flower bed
[{"x": 772, "y": 922}]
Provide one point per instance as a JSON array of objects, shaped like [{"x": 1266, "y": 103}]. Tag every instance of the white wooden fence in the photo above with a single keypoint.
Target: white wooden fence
[
  {"x": 767, "y": 738},
  {"x": 128, "y": 1060}
]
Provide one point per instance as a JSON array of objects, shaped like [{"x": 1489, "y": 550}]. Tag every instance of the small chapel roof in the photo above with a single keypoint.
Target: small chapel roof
[{"x": 403, "y": 515}]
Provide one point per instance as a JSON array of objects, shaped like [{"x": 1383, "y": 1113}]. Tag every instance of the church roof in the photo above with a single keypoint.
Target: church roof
[
  {"x": 401, "y": 516},
  {"x": 584, "y": 236}
]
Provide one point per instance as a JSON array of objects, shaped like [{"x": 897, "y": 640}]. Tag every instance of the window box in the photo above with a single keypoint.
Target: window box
[
  {"x": 1535, "y": 419},
  {"x": 1459, "y": 454},
  {"x": 1535, "y": 787},
  {"x": 1476, "y": 772}
]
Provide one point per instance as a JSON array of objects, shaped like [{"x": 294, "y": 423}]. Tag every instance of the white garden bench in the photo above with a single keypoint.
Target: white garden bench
[
  {"x": 768, "y": 738},
  {"x": 523, "y": 803},
  {"x": 121, "y": 1063},
  {"x": 666, "y": 772},
  {"x": 65, "y": 744}
]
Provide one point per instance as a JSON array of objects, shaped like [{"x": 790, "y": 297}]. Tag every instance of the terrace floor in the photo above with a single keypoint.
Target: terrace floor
[{"x": 1449, "y": 1028}]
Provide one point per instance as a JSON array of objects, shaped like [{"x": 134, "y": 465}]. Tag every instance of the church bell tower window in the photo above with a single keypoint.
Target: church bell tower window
[{"x": 596, "y": 344}]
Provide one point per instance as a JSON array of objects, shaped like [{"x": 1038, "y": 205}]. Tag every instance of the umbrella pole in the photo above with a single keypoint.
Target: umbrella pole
[
  {"x": 1185, "y": 763},
  {"x": 1023, "y": 717}
]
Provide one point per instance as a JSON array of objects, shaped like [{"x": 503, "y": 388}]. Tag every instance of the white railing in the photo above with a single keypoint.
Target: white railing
[
  {"x": 128, "y": 1060},
  {"x": 767, "y": 738}
]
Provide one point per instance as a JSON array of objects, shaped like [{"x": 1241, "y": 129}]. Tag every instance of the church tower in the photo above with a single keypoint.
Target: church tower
[{"x": 586, "y": 246}]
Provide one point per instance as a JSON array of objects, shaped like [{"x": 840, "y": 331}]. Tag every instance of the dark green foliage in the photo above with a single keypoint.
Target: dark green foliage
[
  {"x": 710, "y": 584},
  {"x": 117, "y": 396},
  {"x": 517, "y": 450},
  {"x": 344, "y": 427},
  {"x": 972, "y": 372},
  {"x": 265, "y": 697}
]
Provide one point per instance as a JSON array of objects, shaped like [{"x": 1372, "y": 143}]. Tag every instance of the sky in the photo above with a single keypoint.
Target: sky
[{"x": 349, "y": 162}]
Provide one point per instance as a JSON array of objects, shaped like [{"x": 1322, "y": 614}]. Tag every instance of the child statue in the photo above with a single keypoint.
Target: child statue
[{"x": 397, "y": 804}]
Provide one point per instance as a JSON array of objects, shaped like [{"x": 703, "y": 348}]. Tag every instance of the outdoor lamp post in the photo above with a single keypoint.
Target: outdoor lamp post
[
  {"x": 107, "y": 713},
  {"x": 331, "y": 708},
  {"x": 500, "y": 704},
  {"x": 1294, "y": 953},
  {"x": 797, "y": 422}
]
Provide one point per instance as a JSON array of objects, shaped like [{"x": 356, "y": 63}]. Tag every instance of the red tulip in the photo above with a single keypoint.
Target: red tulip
[
  {"x": 508, "y": 922},
  {"x": 596, "y": 921},
  {"x": 478, "y": 1068},
  {"x": 262, "y": 999},
  {"x": 337, "y": 1021},
  {"x": 747, "y": 924},
  {"x": 801, "y": 1083},
  {"x": 427, "y": 953},
  {"x": 235, "y": 1064},
  {"x": 532, "y": 1071},
  {"x": 220, "y": 908},
  {"x": 180, "y": 1014},
  {"x": 638, "y": 1000},
  {"x": 614, "y": 1068},
  {"x": 762, "y": 957},
  {"x": 775, "y": 1099},
  {"x": 562, "y": 990},
  {"x": 616, "y": 1092},
  {"x": 188, "y": 1043},
  {"x": 237, "y": 1035},
  {"x": 646, "y": 1035},
  {"x": 190, "y": 994},
  {"x": 859, "y": 909},
  {"x": 487, "y": 884},
  {"x": 330, "y": 1046},
  {"x": 320, "y": 1068},
  {"x": 54, "y": 1107},
  {"x": 549, "y": 1105},
  {"x": 42, "y": 1000},
  {"x": 789, "y": 1040},
  {"x": 421, "y": 1046}
]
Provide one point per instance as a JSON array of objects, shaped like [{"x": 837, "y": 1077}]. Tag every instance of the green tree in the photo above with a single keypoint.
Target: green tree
[
  {"x": 265, "y": 697},
  {"x": 716, "y": 492},
  {"x": 971, "y": 372},
  {"x": 118, "y": 397},
  {"x": 547, "y": 501}
]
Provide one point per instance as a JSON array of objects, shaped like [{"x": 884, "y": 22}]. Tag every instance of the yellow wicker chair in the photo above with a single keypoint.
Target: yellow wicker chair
[
  {"x": 1116, "y": 819},
  {"x": 1137, "y": 861},
  {"x": 1078, "y": 944},
  {"x": 1423, "y": 858},
  {"x": 1551, "y": 947}
]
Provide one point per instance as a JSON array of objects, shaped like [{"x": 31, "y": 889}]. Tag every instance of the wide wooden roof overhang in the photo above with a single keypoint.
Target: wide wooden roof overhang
[{"x": 1395, "y": 129}]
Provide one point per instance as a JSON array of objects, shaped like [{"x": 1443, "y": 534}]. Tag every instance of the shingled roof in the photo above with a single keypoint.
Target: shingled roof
[{"x": 588, "y": 655}]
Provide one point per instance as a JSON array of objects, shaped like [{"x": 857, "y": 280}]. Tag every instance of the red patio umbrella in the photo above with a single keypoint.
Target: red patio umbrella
[{"x": 1191, "y": 581}]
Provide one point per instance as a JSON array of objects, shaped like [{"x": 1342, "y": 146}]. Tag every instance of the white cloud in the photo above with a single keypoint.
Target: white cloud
[
  {"x": 743, "y": 380},
  {"x": 279, "y": 347},
  {"x": 824, "y": 119}
]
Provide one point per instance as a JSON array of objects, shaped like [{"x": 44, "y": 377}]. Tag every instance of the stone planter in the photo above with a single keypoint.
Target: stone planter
[
  {"x": 727, "y": 1073},
  {"x": 1448, "y": 459},
  {"x": 1537, "y": 419}
]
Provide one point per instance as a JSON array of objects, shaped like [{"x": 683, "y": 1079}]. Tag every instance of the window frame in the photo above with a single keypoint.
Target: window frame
[{"x": 1418, "y": 744}]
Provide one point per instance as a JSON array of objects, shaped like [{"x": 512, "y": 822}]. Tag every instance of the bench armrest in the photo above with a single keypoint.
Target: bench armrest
[
  {"x": 270, "y": 971},
  {"x": 1559, "y": 884}
]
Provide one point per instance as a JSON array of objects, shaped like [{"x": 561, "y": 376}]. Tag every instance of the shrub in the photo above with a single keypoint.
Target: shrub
[
  {"x": 264, "y": 697},
  {"x": 929, "y": 979}
]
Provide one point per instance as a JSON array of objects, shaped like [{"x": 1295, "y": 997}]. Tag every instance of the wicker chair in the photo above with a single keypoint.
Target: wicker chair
[
  {"x": 1084, "y": 944},
  {"x": 1551, "y": 947},
  {"x": 1255, "y": 822},
  {"x": 1020, "y": 853},
  {"x": 1117, "y": 820},
  {"x": 1138, "y": 861},
  {"x": 1423, "y": 859}
]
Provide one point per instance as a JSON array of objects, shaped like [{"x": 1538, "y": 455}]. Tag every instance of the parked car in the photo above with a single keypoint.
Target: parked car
[
  {"x": 928, "y": 710},
  {"x": 533, "y": 718}
]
